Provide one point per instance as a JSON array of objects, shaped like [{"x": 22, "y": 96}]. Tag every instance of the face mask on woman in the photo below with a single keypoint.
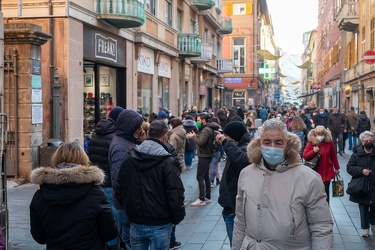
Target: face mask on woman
[
  {"x": 273, "y": 156},
  {"x": 369, "y": 145},
  {"x": 320, "y": 137}
]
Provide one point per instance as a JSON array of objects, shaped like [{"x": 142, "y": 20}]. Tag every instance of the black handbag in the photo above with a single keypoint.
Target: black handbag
[
  {"x": 313, "y": 163},
  {"x": 358, "y": 187}
]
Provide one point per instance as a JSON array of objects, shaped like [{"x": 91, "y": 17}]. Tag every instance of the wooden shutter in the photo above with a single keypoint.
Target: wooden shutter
[{"x": 249, "y": 8}]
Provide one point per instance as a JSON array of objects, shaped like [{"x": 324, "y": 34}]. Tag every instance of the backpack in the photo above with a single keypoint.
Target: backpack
[
  {"x": 301, "y": 136},
  {"x": 363, "y": 126},
  {"x": 212, "y": 144}
]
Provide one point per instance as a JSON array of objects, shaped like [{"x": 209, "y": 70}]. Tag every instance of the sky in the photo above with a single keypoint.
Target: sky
[{"x": 292, "y": 18}]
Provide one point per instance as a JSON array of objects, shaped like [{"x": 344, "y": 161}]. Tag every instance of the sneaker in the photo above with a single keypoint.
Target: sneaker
[
  {"x": 372, "y": 228},
  {"x": 189, "y": 167},
  {"x": 198, "y": 203},
  {"x": 175, "y": 245},
  {"x": 340, "y": 153},
  {"x": 350, "y": 148},
  {"x": 365, "y": 233},
  {"x": 207, "y": 200},
  {"x": 213, "y": 185}
]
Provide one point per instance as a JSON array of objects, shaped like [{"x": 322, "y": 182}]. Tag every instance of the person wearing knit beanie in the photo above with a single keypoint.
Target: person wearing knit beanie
[
  {"x": 162, "y": 115},
  {"x": 113, "y": 114},
  {"x": 235, "y": 130}
]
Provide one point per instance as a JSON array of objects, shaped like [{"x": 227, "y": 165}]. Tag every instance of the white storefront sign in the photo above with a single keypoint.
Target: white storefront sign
[
  {"x": 165, "y": 67},
  {"x": 146, "y": 61}
]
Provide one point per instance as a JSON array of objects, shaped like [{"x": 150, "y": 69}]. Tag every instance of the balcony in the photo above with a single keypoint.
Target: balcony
[
  {"x": 206, "y": 56},
  {"x": 226, "y": 26},
  {"x": 189, "y": 45},
  {"x": 348, "y": 16},
  {"x": 203, "y": 4},
  {"x": 122, "y": 13},
  {"x": 224, "y": 66}
]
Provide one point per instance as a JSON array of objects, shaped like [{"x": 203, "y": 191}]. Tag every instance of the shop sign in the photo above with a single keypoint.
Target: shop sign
[
  {"x": 105, "y": 47},
  {"x": 347, "y": 91},
  {"x": 36, "y": 113},
  {"x": 233, "y": 80},
  {"x": 202, "y": 89},
  {"x": 36, "y": 81},
  {"x": 238, "y": 94},
  {"x": 164, "y": 68},
  {"x": 146, "y": 61},
  {"x": 36, "y": 95},
  {"x": 35, "y": 67}
]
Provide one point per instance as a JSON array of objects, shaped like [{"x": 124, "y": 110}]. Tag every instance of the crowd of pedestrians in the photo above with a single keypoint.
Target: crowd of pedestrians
[{"x": 138, "y": 161}]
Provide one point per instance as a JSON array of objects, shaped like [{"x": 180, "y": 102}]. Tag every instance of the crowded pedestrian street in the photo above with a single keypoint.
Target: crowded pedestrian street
[{"x": 203, "y": 227}]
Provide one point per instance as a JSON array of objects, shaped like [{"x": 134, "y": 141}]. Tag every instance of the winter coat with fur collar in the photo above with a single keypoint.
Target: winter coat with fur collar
[
  {"x": 71, "y": 210},
  {"x": 281, "y": 209},
  {"x": 328, "y": 158}
]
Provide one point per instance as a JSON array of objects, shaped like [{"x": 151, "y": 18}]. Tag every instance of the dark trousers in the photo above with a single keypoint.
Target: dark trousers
[
  {"x": 339, "y": 136},
  {"x": 203, "y": 177},
  {"x": 367, "y": 214},
  {"x": 326, "y": 186}
]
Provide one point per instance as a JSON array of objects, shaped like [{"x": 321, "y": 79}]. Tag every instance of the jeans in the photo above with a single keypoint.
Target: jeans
[
  {"x": 229, "y": 223},
  {"x": 203, "y": 177},
  {"x": 334, "y": 139},
  {"x": 108, "y": 192},
  {"x": 352, "y": 139},
  {"x": 326, "y": 187},
  {"x": 367, "y": 214},
  {"x": 213, "y": 164},
  {"x": 188, "y": 156},
  {"x": 124, "y": 226},
  {"x": 145, "y": 237},
  {"x": 173, "y": 234}
]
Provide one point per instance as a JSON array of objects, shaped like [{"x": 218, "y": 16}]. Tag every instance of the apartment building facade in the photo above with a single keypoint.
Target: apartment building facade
[{"x": 142, "y": 55}]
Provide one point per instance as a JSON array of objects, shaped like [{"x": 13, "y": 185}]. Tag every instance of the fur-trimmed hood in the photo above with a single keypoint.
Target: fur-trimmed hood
[
  {"x": 311, "y": 137},
  {"x": 291, "y": 151},
  {"x": 66, "y": 185}
]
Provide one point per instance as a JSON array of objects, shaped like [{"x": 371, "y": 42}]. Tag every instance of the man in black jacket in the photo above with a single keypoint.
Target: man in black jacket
[
  {"x": 234, "y": 140},
  {"x": 337, "y": 124},
  {"x": 98, "y": 147},
  {"x": 151, "y": 191}
]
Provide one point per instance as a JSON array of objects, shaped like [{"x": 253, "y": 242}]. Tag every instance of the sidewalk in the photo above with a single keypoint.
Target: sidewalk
[{"x": 203, "y": 227}]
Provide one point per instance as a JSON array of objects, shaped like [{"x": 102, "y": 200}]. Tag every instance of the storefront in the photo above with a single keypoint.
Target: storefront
[
  {"x": 164, "y": 72},
  {"x": 144, "y": 80},
  {"x": 104, "y": 76}
]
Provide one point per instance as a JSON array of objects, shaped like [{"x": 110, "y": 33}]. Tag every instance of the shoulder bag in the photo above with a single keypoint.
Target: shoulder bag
[
  {"x": 358, "y": 187},
  {"x": 313, "y": 163}
]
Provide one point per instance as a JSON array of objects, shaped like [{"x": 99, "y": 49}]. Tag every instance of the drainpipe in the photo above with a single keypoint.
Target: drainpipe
[
  {"x": 56, "y": 107},
  {"x": 51, "y": 69},
  {"x": 15, "y": 55}
]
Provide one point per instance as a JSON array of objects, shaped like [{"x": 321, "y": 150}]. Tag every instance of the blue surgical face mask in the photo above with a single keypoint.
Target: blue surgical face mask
[
  {"x": 273, "y": 156},
  {"x": 321, "y": 113}
]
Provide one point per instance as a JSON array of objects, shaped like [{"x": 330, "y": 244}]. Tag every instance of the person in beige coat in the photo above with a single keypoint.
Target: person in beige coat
[
  {"x": 177, "y": 138},
  {"x": 281, "y": 204}
]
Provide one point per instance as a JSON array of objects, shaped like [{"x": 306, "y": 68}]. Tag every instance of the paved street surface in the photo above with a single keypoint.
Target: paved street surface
[{"x": 203, "y": 227}]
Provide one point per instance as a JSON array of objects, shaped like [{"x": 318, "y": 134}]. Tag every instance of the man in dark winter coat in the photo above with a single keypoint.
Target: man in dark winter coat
[
  {"x": 98, "y": 153},
  {"x": 337, "y": 124},
  {"x": 129, "y": 130},
  {"x": 204, "y": 152},
  {"x": 321, "y": 118},
  {"x": 363, "y": 123},
  {"x": 234, "y": 140},
  {"x": 151, "y": 190}
]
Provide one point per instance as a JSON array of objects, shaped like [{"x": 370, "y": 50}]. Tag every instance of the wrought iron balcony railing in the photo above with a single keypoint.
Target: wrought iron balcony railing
[
  {"x": 189, "y": 45},
  {"x": 224, "y": 66},
  {"x": 122, "y": 13}
]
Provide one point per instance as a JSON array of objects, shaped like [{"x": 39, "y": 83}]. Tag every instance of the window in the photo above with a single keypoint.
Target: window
[
  {"x": 213, "y": 45},
  {"x": 168, "y": 12},
  {"x": 239, "y": 9},
  {"x": 150, "y": 6},
  {"x": 239, "y": 55},
  {"x": 179, "y": 21},
  {"x": 192, "y": 26}
]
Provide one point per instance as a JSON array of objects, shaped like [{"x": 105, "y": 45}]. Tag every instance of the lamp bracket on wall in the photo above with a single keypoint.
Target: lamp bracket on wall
[
  {"x": 138, "y": 48},
  {"x": 157, "y": 54}
]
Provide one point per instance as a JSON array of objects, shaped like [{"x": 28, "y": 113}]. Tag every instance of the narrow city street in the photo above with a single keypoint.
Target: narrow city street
[{"x": 203, "y": 227}]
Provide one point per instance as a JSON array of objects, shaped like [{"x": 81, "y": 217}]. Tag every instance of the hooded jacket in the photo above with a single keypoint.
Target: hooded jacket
[
  {"x": 71, "y": 210},
  {"x": 128, "y": 122},
  {"x": 177, "y": 138},
  {"x": 363, "y": 124},
  {"x": 281, "y": 209},
  {"x": 358, "y": 161},
  {"x": 236, "y": 161},
  {"x": 151, "y": 187},
  {"x": 189, "y": 125},
  {"x": 206, "y": 136},
  {"x": 99, "y": 145},
  {"x": 328, "y": 158}
]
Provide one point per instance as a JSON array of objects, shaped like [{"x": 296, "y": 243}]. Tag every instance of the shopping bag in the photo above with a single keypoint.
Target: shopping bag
[{"x": 338, "y": 186}]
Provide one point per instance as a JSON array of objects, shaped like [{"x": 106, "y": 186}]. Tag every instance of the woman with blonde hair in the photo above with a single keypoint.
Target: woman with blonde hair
[
  {"x": 71, "y": 210},
  {"x": 320, "y": 142},
  {"x": 299, "y": 128}
]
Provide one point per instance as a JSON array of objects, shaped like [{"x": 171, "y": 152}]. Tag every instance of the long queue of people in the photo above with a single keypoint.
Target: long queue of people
[{"x": 268, "y": 196}]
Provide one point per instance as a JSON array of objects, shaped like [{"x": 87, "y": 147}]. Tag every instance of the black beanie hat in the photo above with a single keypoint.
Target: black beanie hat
[
  {"x": 235, "y": 130},
  {"x": 113, "y": 114}
]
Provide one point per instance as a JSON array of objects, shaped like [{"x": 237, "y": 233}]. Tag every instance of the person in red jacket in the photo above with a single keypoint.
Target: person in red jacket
[{"x": 320, "y": 141}]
